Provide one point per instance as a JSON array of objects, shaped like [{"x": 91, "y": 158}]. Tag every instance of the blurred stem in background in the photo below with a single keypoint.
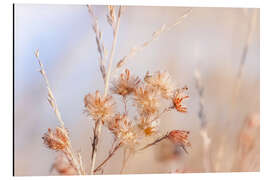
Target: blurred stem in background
[
  {"x": 251, "y": 25},
  {"x": 203, "y": 124}
]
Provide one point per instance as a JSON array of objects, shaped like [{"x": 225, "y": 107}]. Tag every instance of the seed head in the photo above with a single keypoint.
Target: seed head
[
  {"x": 99, "y": 107},
  {"x": 56, "y": 139},
  {"x": 148, "y": 125},
  {"x": 179, "y": 137},
  {"x": 146, "y": 99},
  {"x": 126, "y": 84},
  {"x": 162, "y": 82},
  {"x": 177, "y": 99},
  {"x": 62, "y": 166},
  {"x": 123, "y": 129}
]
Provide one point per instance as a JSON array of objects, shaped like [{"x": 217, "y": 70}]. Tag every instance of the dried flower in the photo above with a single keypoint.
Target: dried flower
[
  {"x": 177, "y": 99},
  {"x": 63, "y": 166},
  {"x": 179, "y": 137},
  {"x": 126, "y": 84},
  {"x": 146, "y": 99},
  {"x": 123, "y": 129},
  {"x": 99, "y": 107},
  {"x": 148, "y": 125},
  {"x": 162, "y": 82},
  {"x": 57, "y": 139}
]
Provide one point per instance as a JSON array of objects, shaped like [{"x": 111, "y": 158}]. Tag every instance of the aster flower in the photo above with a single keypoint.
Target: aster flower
[
  {"x": 162, "y": 82},
  {"x": 147, "y": 125},
  {"x": 123, "y": 129},
  {"x": 146, "y": 99},
  {"x": 126, "y": 84},
  {"x": 56, "y": 139},
  {"x": 177, "y": 99},
  {"x": 179, "y": 137},
  {"x": 99, "y": 107}
]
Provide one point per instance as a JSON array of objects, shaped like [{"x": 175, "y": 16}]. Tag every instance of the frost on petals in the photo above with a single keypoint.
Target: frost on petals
[{"x": 99, "y": 107}]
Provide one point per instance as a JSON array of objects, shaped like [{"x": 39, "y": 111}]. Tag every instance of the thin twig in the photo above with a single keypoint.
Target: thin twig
[
  {"x": 115, "y": 34},
  {"x": 108, "y": 157},
  {"x": 165, "y": 110},
  {"x": 125, "y": 104},
  {"x": 100, "y": 45},
  {"x": 81, "y": 163},
  {"x": 125, "y": 160},
  {"x": 69, "y": 153},
  {"x": 251, "y": 26},
  {"x": 136, "y": 49},
  {"x": 98, "y": 125},
  {"x": 153, "y": 143}
]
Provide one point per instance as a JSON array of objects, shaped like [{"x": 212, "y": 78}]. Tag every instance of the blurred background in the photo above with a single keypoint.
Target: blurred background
[{"x": 210, "y": 41}]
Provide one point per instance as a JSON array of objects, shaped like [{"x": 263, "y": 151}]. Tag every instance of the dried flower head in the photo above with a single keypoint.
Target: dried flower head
[
  {"x": 99, "y": 107},
  {"x": 179, "y": 137},
  {"x": 162, "y": 82},
  {"x": 123, "y": 129},
  {"x": 63, "y": 166},
  {"x": 146, "y": 99},
  {"x": 148, "y": 126},
  {"x": 177, "y": 99},
  {"x": 126, "y": 84},
  {"x": 56, "y": 139}
]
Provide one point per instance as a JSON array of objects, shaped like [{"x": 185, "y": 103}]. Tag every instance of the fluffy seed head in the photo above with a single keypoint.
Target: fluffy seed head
[
  {"x": 146, "y": 99},
  {"x": 99, "y": 107},
  {"x": 56, "y": 139},
  {"x": 148, "y": 126},
  {"x": 62, "y": 166},
  {"x": 126, "y": 84},
  {"x": 162, "y": 81},
  {"x": 123, "y": 129}
]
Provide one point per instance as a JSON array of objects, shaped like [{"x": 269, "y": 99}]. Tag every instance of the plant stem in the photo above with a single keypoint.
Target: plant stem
[
  {"x": 108, "y": 157},
  {"x": 69, "y": 154},
  {"x": 98, "y": 125},
  {"x": 115, "y": 34},
  {"x": 153, "y": 143},
  {"x": 125, "y": 159}
]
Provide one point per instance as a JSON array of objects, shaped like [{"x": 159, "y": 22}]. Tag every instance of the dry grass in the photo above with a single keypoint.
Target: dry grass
[
  {"x": 147, "y": 96},
  {"x": 131, "y": 109}
]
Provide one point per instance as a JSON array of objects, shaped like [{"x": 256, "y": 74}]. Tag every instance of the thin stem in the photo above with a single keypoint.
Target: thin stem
[
  {"x": 99, "y": 124},
  {"x": 153, "y": 143},
  {"x": 136, "y": 49},
  {"x": 115, "y": 34},
  {"x": 81, "y": 163},
  {"x": 203, "y": 124},
  {"x": 51, "y": 98},
  {"x": 69, "y": 153},
  {"x": 72, "y": 160},
  {"x": 125, "y": 104},
  {"x": 251, "y": 26},
  {"x": 99, "y": 41},
  {"x": 108, "y": 157},
  {"x": 125, "y": 160}
]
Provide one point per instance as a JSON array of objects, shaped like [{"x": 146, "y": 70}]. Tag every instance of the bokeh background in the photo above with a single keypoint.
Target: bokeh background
[{"x": 209, "y": 40}]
